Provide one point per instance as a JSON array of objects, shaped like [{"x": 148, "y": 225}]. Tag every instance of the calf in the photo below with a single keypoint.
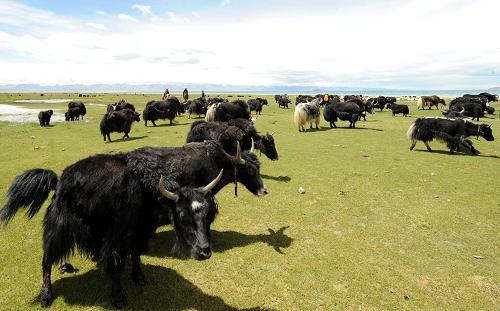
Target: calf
[{"x": 73, "y": 114}]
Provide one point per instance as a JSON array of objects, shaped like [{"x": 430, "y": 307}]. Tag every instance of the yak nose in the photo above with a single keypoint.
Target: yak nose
[
  {"x": 262, "y": 191},
  {"x": 205, "y": 253}
]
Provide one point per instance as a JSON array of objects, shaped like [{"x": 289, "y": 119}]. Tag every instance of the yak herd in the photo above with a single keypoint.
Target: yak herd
[{"x": 107, "y": 206}]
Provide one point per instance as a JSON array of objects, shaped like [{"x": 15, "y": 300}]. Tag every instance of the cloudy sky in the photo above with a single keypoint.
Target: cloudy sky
[{"x": 424, "y": 44}]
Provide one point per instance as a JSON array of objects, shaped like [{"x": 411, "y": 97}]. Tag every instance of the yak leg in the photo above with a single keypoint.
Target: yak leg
[
  {"x": 109, "y": 138},
  {"x": 46, "y": 296},
  {"x": 413, "y": 143},
  {"x": 113, "y": 267},
  {"x": 104, "y": 137},
  {"x": 137, "y": 274},
  {"x": 428, "y": 147}
]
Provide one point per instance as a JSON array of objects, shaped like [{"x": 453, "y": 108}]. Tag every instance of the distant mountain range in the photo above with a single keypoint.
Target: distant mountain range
[{"x": 219, "y": 88}]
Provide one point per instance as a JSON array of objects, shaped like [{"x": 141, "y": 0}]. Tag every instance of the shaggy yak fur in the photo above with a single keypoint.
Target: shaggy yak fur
[
  {"x": 347, "y": 111},
  {"x": 122, "y": 104},
  {"x": 399, "y": 108},
  {"x": 107, "y": 206},
  {"x": 83, "y": 109},
  {"x": 73, "y": 114},
  {"x": 307, "y": 112},
  {"x": 118, "y": 121},
  {"x": 161, "y": 109},
  {"x": 453, "y": 132},
  {"x": 256, "y": 104},
  {"x": 44, "y": 117},
  {"x": 227, "y": 111},
  {"x": 231, "y": 132}
]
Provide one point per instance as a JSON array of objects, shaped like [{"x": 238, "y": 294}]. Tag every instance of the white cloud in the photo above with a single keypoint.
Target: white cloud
[
  {"x": 195, "y": 14},
  {"x": 225, "y": 2},
  {"x": 406, "y": 45},
  {"x": 97, "y": 26},
  {"x": 127, "y": 17},
  {"x": 145, "y": 9}
]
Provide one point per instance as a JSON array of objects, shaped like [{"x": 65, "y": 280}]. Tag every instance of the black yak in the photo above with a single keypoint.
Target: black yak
[
  {"x": 118, "y": 121},
  {"x": 122, "y": 104},
  {"x": 198, "y": 106},
  {"x": 347, "y": 111},
  {"x": 453, "y": 132},
  {"x": 231, "y": 132},
  {"x": 398, "y": 108},
  {"x": 73, "y": 114},
  {"x": 227, "y": 111},
  {"x": 83, "y": 109},
  {"x": 44, "y": 117},
  {"x": 161, "y": 109},
  {"x": 256, "y": 104},
  {"x": 108, "y": 206}
]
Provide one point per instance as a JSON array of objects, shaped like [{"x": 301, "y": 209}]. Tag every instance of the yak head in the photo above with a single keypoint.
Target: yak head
[
  {"x": 51, "y": 112},
  {"x": 486, "y": 132},
  {"x": 268, "y": 147},
  {"x": 192, "y": 213},
  {"x": 247, "y": 168}
]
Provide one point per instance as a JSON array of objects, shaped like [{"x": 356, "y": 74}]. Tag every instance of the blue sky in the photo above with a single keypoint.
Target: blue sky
[{"x": 415, "y": 44}]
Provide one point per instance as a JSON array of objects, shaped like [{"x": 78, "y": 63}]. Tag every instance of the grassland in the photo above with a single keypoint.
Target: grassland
[{"x": 378, "y": 228}]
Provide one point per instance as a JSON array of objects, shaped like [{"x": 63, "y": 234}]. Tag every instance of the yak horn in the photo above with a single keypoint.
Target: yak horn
[
  {"x": 166, "y": 193},
  {"x": 463, "y": 109},
  {"x": 212, "y": 184},
  {"x": 238, "y": 159},
  {"x": 252, "y": 149},
  {"x": 490, "y": 125}
]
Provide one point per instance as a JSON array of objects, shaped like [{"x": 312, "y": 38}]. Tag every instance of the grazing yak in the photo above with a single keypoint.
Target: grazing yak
[
  {"x": 381, "y": 101},
  {"x": 230, "y": 133},
  {"x": 398, "y": 108},
  {"x": 108, "y": 206},
  {"x": 73, "y": 114},
  {"x": 454, "y": 114},
  {"x": 307, "y": 112},
  {"x": 283, "y": 101},
  {"x": 227, "y": 111},
  {"x": 83, "y": 109},
  {"x": 470, "y": 106},
  {"x": 453, "y": 132},
  {"x": 44, "y": 117},
  {"x": 347, "y": 111},
  {"x": 256, "y": 104},
  {"x": 118, "y": 121},
  {"x": 161, "y": 109},
  {"x": 197, "y": 106},
  {"x": 429, "y": 101}
]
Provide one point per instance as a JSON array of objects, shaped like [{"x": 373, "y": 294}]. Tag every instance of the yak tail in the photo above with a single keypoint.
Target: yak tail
[
  {"x": 30, "y": 188},
  {"x": 411, "y": 131},
  {"x": 299, "y": 116}
]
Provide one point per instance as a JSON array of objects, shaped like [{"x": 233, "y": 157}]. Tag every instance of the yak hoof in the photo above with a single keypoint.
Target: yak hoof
[
  {"x": 119, "y": 300},
  {"x": 138, "y": 278},
  {"x": 46, "y": 297}
]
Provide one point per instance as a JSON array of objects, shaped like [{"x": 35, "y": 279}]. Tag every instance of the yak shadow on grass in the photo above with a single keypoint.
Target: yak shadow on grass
[
  {"x": 165, "y": 289},
  {"x": 357, "y": 128},
  {"x": 127, "y": 139},
  {"x": 457, "y": 153},
  {"x": 161, "y": 244},
  {"x": 168, "y": 124},
  {"x": 276, "y": 178}
]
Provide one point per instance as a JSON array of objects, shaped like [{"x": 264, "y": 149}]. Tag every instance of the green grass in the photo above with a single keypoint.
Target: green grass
[{"x": 379, "y": 227}]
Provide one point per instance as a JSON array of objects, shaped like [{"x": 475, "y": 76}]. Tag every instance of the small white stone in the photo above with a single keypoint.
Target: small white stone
[
  {"x": 302, "y": 190},
  {"x": 433, "y": 174}
]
